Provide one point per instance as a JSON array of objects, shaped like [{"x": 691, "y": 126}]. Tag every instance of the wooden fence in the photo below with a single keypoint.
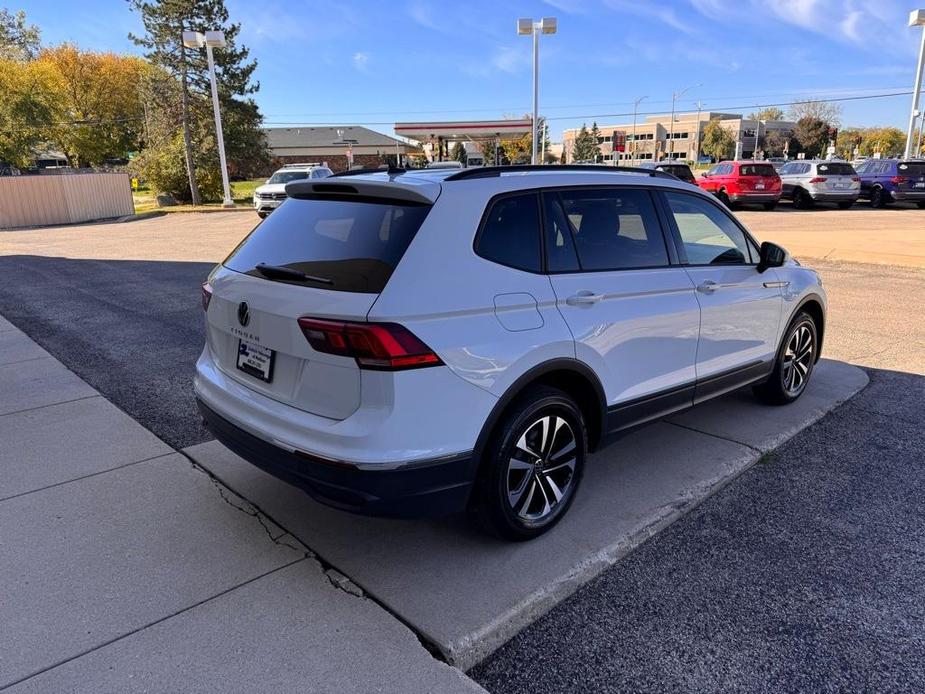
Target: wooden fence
[{"x": 63, "y": 199}]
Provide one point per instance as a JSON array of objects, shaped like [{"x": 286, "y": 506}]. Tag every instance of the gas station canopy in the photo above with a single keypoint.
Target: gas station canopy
[{"x": 465, "y": 130}]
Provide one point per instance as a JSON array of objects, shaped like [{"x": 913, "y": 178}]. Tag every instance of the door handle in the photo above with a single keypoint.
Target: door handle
[
  {"x": 707, "y": 287},
  {"x": 584, "y": 298}
]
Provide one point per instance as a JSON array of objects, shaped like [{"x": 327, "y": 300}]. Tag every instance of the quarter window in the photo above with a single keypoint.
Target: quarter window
[
  {"x": 511, "y": 233},
  {"x": 708, "y": 234},
  {"x": 614, "y": 229}
]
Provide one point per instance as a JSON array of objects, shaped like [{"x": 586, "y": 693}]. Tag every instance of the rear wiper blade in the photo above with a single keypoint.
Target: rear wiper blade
[{"x": 280, "y": 272}]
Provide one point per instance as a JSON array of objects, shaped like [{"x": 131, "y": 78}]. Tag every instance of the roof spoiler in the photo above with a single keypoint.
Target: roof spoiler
[{"x": 361, "y": 191}]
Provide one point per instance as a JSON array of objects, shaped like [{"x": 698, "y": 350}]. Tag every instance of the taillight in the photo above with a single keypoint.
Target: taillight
[
  {"x": 818, "y": 179},
  {"x": 206, "y": 296},
  {"x": 382, "y": 346},
  {"x": 898, "y": 179}
]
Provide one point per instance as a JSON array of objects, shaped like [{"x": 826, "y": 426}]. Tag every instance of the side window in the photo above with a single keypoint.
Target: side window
[
  {"x": 862, "y": 167},
  {"x": 560, "y": 247},
  {"x": 714, "y": 170},
  {"x": 708, "y": 234},
  {"x": 511, "y": 233},
  {"x": 726, "y": 169},
  {"x": 786, "y": 169},
  {"x": 614, "y": 229}
]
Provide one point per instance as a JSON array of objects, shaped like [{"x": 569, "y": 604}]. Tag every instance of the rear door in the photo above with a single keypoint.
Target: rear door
[
  {"x": 324, "y": 258},
  {"x": 632, "y": 312},
  {"x": 740, "y": 307}
]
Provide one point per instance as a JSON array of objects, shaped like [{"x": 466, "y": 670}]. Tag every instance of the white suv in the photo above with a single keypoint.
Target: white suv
[
  {"x": 410, "y": 343},
  {"x": 271, "y": 194}
]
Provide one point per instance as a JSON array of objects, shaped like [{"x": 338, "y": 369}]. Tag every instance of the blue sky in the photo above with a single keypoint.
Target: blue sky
[{"x": 377, "y": 61}]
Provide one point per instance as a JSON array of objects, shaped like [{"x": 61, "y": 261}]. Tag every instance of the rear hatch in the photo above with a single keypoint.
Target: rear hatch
[
  {"x": 835, "y": 177},
  {"x": 326, "y": 253},
  {"x": 910, "y": 176},
  {"x": 758, "y": 178}
]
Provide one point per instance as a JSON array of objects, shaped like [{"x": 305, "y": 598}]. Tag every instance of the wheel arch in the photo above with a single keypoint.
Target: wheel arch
[
  {"x": 813, "y": 305},
  {"x": 571, "y": 376}
]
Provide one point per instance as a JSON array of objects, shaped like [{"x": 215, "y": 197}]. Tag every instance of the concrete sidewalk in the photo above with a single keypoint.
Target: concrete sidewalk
[{"x": 125, "y": 567}]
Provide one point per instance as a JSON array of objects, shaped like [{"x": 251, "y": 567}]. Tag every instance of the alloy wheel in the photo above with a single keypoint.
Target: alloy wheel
[
  {"x": 797, "y": 360},
  {"x": 541, "y": 471}
]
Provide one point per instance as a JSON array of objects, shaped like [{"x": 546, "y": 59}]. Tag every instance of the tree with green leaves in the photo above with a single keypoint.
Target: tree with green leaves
[
  {"x": 459, "y": 153},
  {"x": 812, "y": 134},
  {"x": 585, "y": 147},
  {"x": 596, "y": 139},
  {"x": 164, "y": 22},
  {"x": 18, "y": 40},
  {"x": 717, "y": 142},
  {"x": 767, "y": 113}
]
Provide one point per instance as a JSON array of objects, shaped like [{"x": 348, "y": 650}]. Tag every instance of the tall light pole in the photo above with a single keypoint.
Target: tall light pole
[
  {"x": 916, "y": 18},
  {"x": 697, "y": 135},
  {"x": 674, "y": 97},
  {"x": 635, "y": 110},
  {"x": 527, "y": 26},
  {"x": 213, "y": 39}
]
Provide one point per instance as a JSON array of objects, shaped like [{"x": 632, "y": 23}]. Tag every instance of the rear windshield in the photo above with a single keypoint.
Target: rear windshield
[
  {"x": 287, "y": 176},
  {"x": 836, "y": 168},
  {"x": 911, "y": 168},
  {"x": 757, "y": 170},
  {"x": 354, "y": 245},
  {"x": 680, "y": 170}
]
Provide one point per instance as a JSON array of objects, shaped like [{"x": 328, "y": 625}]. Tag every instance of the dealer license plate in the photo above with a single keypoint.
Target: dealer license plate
[
  {"x": 759, "y": 186},
  {"x": 256, "y": 360}
]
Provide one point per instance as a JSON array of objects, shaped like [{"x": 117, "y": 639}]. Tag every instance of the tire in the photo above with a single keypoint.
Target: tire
[
  {"x": 524, "y": 488},
  {"x": 769, "y": 205},
  {"x": 878, "y": 198},
  {"x": 793, "y": 365},
  {"x": 723, "y": 198},
  {"x": 801, "y": 199},
  {"x": 845, "y": 205},
  {"x": 262, "y": 215}
]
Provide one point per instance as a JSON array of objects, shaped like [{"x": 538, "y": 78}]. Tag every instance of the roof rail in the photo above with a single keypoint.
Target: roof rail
[
  {"x": 494, "y": 171},
  {"x": 390, "y": 170}
]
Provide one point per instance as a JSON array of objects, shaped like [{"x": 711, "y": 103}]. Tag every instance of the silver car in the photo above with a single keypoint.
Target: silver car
[{"x": 807, "y": 182}]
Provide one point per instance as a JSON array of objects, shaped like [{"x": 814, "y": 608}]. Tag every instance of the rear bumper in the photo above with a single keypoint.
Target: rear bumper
[
  {"x": 421, "y": 488},
  {"x": 834, "y": 197},
  {"x": 908, "y": 195},
  {"x": 757, "y": 198}
]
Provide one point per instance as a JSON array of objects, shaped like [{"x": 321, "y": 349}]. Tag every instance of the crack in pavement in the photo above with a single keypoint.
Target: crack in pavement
[{"x": 335, "y": 577}]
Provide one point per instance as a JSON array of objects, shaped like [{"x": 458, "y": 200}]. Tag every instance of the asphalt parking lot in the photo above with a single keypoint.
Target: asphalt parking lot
[{"x": 802, "y": 574}]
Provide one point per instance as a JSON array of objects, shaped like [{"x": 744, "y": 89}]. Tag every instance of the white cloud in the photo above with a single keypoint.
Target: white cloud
[
  {"x": 361, "y": 61},
  {"x": 568, "y": 6},
  {"x": 510, "y": 60}
]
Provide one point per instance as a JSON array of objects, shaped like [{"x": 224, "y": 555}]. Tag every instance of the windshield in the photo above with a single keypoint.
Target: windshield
[
  {"x": 350, "y": 246},
  {"x": 286, "y": 176},
  {"x": 757, "y": 170}
]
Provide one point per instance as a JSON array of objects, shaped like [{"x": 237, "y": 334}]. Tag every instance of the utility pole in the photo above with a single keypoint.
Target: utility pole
[
  {"x": 697, "y": 135},
  {"x": 635, "y": 110},
  {"x": 916, "y": 18},
  {"x": 547, "y": 25}
]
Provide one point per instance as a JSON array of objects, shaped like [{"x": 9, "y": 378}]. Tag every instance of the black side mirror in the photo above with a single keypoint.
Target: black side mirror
[{"x": 771, "y": 255}]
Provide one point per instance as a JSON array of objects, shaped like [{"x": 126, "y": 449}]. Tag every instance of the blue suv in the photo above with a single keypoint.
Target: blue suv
[{"x": 886, "y": 180}]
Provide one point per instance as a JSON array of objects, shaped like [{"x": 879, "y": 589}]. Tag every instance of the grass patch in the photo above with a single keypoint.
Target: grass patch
[{"x": 242, "y": 194}]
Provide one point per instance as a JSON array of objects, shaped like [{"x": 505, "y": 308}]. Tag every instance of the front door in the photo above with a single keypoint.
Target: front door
[
  {"x": 740, "y": 307},
  {"x": 632, "y": 313}
]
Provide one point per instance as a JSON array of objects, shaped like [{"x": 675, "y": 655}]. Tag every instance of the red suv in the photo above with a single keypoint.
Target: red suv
[{"x": 753, "y": 182}]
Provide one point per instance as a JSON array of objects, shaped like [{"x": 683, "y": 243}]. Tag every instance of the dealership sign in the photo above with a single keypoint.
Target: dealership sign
[{"x": 619, "y": 141}]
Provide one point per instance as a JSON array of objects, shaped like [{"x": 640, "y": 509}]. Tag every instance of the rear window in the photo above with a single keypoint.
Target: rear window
[
  {"x": 836, "y": 168},
  {"x": 511, "y": 233},
  {"x": 355, "y": 245},
  {"x": 757, "y": 170},
  {"x": 680, "y": 170},
  {"x": 911, "y": 168}
]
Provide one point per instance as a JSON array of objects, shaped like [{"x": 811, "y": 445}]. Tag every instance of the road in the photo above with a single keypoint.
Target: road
[{"x": 805, "y": 573}]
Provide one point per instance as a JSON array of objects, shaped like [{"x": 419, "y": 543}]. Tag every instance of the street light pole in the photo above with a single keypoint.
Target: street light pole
[
  {"x": 674, "y": 97},
  {"x": 916, "y": 18},
  {"x": 213, "y": 39},
  {"x": 526, "y": 26},
  {"x": 635, "y": 109}
]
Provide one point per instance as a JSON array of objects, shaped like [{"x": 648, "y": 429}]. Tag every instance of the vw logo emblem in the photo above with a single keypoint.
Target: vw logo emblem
[{"x": 244, "y": 314}]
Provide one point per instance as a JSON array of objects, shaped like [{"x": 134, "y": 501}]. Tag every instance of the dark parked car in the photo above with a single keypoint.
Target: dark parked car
[
  {"x": 675, "y": 168},
  {"x": 887, "y": 180}
]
